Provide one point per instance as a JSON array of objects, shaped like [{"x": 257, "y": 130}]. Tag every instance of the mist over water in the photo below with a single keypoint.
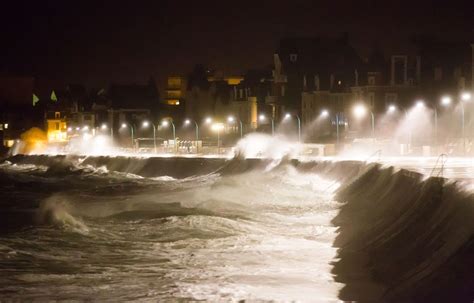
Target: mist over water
[{"x": 267, "y": 224}]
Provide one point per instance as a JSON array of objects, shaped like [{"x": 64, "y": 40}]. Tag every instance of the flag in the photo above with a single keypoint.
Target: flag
[
  {"x": 35, "y": 99},
  {"x": 53, "y": 96}
]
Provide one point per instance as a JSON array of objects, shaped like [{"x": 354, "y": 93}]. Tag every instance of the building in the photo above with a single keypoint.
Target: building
[
  {"x": 318, "y": 64},
  {"x": 175, "y": 92},
  {"x": 56, "y": 126},
  {"x": 218, "y": 96}
]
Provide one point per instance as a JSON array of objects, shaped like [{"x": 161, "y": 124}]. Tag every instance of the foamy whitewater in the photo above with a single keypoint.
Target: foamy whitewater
[
  {"x": 272, "y": 229},
  {"x": 75, "y": 231}
]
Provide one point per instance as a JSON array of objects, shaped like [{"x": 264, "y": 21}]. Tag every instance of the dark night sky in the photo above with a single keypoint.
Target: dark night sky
[{"x": 98, "y": 42}]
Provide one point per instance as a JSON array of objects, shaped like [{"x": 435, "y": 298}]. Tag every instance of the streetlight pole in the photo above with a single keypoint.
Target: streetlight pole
[
  {"x": 373, "y": 124},
  {"x": 241, "y": 130},
  {"x": 218, "y": 141},
  {"x": 337, "y": 128},
  {"x": 299, "y": 128},
  {"x": 287, "y": 116},
  {"x": 145, "y": 124},
  {"x": 273, "y": 126},
  {"x": 465, "y": 97},
  {"x": 462, "y": 129},
  {"x": 436, "y": 125},
  {"x": 360, "y": 111},
  {"x": 165, "y": 123},
  {"x": 124, "y": 125},
  {"x": 262, "y": 117},
  {"x": 231, "y": 119},
  {"x": 188, "y": 121}
]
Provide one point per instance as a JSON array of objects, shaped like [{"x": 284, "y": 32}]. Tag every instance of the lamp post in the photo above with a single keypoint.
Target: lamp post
[
  {"x": 360, "y": 110},
  {"x": 288, "y": 116},
  {"x": 146, "y": 124},
  {"x": 124, "y": 125},
  {"x": 324, "y": 114},
  {"x": 465, "y": 97},
  {"x": 391, "y": 110},
  {"x": 262, "y": 118},
  {"x": 167, "y": 122},
  {"x": 445, "y": 101},
  {"x": 231, "y": 119},
  {"x": 104, "y": 127},
  {"x": 217, "y": 127},
  {"x": 187, "y": 122}
]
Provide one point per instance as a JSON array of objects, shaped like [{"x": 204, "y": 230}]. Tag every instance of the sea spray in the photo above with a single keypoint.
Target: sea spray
[{"x": 55, "y": 211}]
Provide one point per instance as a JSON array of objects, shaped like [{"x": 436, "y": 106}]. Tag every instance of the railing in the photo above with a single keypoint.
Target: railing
[
  {"x": 377, "y": 153},
  {"x": 441, "y": 160}
]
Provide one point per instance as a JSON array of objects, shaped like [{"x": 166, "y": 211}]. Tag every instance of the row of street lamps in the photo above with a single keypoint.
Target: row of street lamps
[{"x": 359, "y": 111}]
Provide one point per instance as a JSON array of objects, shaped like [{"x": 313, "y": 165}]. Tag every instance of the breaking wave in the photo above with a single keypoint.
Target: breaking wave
[
  {"x": 56, "y": 211},
  {"x": 401, "y": 236}
]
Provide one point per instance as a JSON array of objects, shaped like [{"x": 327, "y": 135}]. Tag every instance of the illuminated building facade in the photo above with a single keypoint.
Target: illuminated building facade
[
  {"x": 175, "y": 91},
  {"x": 56, "y": 127}
]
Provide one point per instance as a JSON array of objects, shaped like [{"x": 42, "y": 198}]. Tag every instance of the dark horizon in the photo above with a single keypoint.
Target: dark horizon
[{"x": 97, "y": 45}]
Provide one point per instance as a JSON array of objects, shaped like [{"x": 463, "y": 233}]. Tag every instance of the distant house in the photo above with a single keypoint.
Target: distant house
[{"x": 317, "y": 64}]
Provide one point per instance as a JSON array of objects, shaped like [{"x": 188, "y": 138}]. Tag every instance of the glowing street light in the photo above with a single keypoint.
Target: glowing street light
[
  {"x": 69, "y": 129},
  {"x": 466, "y": 97},
  {"x": 420, "y": 104},
  {"x": 391, "y": 109},
  {"x": 187, "y": 122},
  {"x": 78, "y": 128},
  {"x": 360, "y": 110},
  {"x": 446, "y": 100},
  {"x": 324, "y": 113},
  {"x": 288, "y": 116},
  {"x": 146, "y": 124},
  {"x": 263, "y": 118},
  {"x": 85, "y": 128},
  {"x": 208, "y": 120},
  {"x": 231, "y": 119}
]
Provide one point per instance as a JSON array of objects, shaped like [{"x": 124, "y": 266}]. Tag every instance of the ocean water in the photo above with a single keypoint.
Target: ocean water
[{"x": 73, "y": 230}]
